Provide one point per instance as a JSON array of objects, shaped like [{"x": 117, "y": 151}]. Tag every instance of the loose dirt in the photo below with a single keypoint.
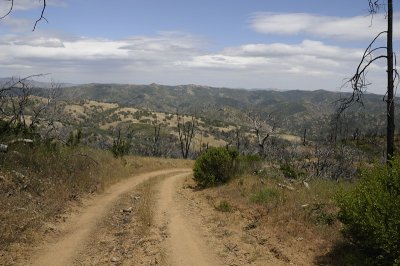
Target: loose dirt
[
  {"x": 81, "y": 225},
  {"x": 184, "y": 245},
  {"x": 156, "y": 218}
]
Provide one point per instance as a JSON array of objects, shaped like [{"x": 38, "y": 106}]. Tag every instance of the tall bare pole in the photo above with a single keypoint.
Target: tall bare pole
[{"x": 390, "y": 85}]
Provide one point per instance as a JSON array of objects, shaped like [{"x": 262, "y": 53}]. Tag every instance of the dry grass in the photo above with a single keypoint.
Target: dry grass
[
  {"x": 145, "y": 208},
  {"x": 103, "y": 105},
  {"x": 76, "y": 110},
  {"x": 38, "y": 183},
  {"x": 302, "y": 221}
]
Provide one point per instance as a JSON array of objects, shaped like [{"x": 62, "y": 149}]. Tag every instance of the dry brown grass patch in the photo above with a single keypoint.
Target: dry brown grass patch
[{"x": 301, "y": 221}]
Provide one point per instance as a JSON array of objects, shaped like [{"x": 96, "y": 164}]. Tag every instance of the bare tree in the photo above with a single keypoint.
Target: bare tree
[
  {"x": 359, "y": 82},
  {"x": 156, "y": 138},
  {"x": 16, "y": 102},
  {"x": 186, "y": 131},
  {"x": 42, "y": 17},
  {"x": 263, "y": 126}
]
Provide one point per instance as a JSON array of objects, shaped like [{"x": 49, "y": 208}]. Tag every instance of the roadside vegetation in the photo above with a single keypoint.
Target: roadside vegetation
[
  {"x": 355, "y": 219},
  {"x": 39, "y": 180}
]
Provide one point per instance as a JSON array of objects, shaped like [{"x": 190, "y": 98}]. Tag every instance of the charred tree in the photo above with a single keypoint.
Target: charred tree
[
  {"x": 358, "y": 81},
  {"x": 186, "y": 132}
]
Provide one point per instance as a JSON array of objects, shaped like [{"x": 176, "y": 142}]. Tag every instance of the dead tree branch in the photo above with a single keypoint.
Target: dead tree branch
[
  {"x": 9, "y": 11},
  {"x": 42, "y": 17},
  {"x": 358, "y": 81}
]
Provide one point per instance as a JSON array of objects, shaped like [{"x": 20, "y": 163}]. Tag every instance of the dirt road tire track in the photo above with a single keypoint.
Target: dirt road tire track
[
  {"x": 184, "y": 245},
  {"x": 77, "y": 231}
]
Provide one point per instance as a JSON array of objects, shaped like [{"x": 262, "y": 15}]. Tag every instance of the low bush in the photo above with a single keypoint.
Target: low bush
[
  {"x": 289, "y": 171},
  {"x": 371, "y": 214},
  {"x": 215, "y": 166}
]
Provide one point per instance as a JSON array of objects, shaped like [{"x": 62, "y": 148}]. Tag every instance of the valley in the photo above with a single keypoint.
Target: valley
[{"x": 96, "y": 179}]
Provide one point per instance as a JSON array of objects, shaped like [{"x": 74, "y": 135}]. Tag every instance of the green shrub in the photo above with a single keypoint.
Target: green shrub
[
  {"x": 120, "y": 146},
  {"x": 371, "y": 214},
  {"x": 290, "y": 172},
  {"x": 215, "y": 166}
]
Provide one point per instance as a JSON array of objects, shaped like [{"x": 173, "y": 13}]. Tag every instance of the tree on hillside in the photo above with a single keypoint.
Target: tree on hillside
[
  {"x": 155, "y": 151},
  {"x": 263, "y": 126},
  {"x": 11, "y": 8},
  {"x": 372, "y": 53},
  {"x": 20, "y": 110},
  {"x": 186, "y": 132}
]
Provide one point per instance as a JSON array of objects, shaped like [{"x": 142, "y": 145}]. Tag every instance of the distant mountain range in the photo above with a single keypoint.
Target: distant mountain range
[
  {"x": 34, "y": 83},
  {"x": 293, "y": 110}
]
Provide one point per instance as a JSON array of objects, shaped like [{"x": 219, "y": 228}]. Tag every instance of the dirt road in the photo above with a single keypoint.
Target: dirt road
[
  {"x": 173, "y": 240},
  {"x": 154, "y": 219},
  {"x": 83, "y": 224},
  {"x": 185, "y": 244}
]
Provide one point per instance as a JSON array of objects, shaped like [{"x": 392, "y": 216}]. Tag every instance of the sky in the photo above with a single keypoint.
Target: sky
[{"x": 252, "y": 44}]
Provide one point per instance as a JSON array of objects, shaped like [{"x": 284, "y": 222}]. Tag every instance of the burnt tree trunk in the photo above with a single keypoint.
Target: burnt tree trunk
[{"x": 390, "y": 99}]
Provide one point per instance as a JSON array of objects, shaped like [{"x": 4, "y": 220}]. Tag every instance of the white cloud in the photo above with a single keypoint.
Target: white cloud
[
  {"x": 306, "y": 47},
  {"x": 308, "y": 58},
  {"x": 177, "y": 58},
  {"x": 346, "y": 28}
]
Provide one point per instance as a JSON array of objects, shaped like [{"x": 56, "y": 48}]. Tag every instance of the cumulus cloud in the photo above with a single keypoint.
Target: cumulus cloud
[
  {"x": 306, "y": 58},
  {"x": 345, "y": 28},
  {"x": 177, "y": 58}
]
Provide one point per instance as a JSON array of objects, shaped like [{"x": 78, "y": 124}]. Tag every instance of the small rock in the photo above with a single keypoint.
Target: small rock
[
  {"x": 128, "y": 209},
  {"x": 2, "y": 178},
  {"x": 114, "y": 259},
  {"x": 306, "y": 184},
  {"x": 136, "y": 197}
]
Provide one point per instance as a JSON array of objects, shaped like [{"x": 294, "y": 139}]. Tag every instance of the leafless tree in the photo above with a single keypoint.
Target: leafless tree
[
  {"x": 373, "y": 53},
  {"x": 156, "y": 138},
  {"x": 263, "y": 126},
  {"x": 16, "y": 102},
  {"x": 186, "y": 132}
]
